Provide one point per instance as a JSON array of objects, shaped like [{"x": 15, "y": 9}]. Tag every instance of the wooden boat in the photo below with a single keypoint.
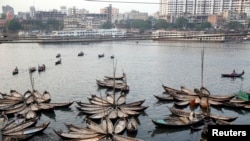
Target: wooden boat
[
  {"x": 15, "y": 94},
  {"x": 32, "y": 69},
  {"x": 61, "y": 105},
  {"x": 113, "y": 114},
  {"x": 46, "y": 96},
  {"x": 183, "y": 113},
  {"x": 15, "y": 71},
  {"x": 121, "y": 114},
  {"x": 134, "y": 108},
  {"x": 79, "y": 136},
  {"x": 182, "y": 103},
  {"x": 30, "y": 115},
  {"x": 30, "y": 130},
  {"x": 80, "y": 54},
  {"x": 136, "y": 103},
  {"x": 100, "y": 55},
  {"x": 83, "y": 104},
  {"x": 110, "y": 85},
  {"x": 243, "y": 95},
  {"x": 188, "y": 91},
  {"x": 58, "y": 62},
  {"x": 45, "y": 106},
  {"x": 169, "y": 89},
  {"x": 121, "y": 99},
  {"x": 3, "y": 120},
  {"x": 116, "y": 77},
  {"x": 220, "y": 117},
  {"x": 17, "y": 108},
  {"x": 164, "y": 97},
  {"x": 177, "y": 122},
  {"x": 233, "y": 105},
  {"x": 41, "y": 68},
  {"x": 124, "y": 138},
  {"x": 19, "y": 126},
  {"x": 232, "y": 75},
  {"x": 13, "y": 123},
  {"x": 107, "y": 125},
  {"x": 129, "y": 112},
  {"x": 120, "y": 125},
  {"x": 112, "y": 56},
  {"x": 132, "y": 126},
  {"x": 94, "y": 126},
  {"x": 58, "y": 55},
  {"x": 75, "y": 128}
]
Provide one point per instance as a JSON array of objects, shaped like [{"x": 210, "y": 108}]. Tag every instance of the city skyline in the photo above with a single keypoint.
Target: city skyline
[{"x": 149, "y": 6}]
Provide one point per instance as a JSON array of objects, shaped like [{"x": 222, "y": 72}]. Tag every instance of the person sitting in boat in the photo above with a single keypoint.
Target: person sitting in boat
[
  {"x": 16, "y": 68},
  {"x": 234, "y": 72}
]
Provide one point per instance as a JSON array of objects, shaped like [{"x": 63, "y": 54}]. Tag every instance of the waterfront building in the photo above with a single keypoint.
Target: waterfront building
[
  {"x": 84, "y": 21},
  {"x": 109, "y": 11},
  {"x": 8, "y": 9},
  {"x": 94, "y": 33},
  {"x": 136, "y": 15},
  {"x": 187, "y": 36},
  {"x": 32, "y": 11},
  {"x": 47, "y": 15},
  {"x": 199, "y": 7}
]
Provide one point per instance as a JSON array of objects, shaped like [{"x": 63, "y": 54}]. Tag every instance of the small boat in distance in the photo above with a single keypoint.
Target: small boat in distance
[
  {"x": 112, "y": 56},
  {"x": 15, "y": 71},
  {"x": 100, "y": 55},
  {"x": 58, "y": 55},
  {"x": 58, "y": 62},
  {"x": 234, "y": 74},
  {"x": 41, "y": 68},
  {"x": 32, "y": 69},
  {"x": 80, "y": 53}
]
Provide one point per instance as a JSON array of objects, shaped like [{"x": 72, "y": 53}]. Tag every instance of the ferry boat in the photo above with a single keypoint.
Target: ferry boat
[{"x": 187, "y": 36}]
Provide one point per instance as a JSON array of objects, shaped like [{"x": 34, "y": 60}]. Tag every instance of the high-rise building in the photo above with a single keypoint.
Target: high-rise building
[
  {"x": 109, "y": 11},
  {"x": 63, "y": 10},
  {"x": 7, "y": 9},
  {"x": 32, "y": 11},
  {"x": 200, "y": 7}
]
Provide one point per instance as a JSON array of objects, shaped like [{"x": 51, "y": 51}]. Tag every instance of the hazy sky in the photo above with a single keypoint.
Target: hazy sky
[{"x": 92, "y": 7}]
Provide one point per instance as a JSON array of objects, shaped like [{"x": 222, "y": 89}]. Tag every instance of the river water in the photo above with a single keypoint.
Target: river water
[{"x": 148, "y": 65}]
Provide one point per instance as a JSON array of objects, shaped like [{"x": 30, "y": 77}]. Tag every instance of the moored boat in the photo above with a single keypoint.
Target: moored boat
[
  {"x": 234, "y": 74},
  {"x": 15, "y": 71}
]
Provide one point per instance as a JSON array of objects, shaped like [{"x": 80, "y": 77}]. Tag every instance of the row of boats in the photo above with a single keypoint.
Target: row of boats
[
  {"x": 21, "y": 112},
  {"x": 189, "y": 119},
  {"x": 40, "y": 68}
]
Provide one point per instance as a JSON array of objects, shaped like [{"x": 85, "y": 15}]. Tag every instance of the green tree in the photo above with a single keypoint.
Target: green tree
[
  {"x": 234, "y": 25},
  {"x": 107, "y": 25},
  {"x": 3, "y": 16},
  {"x": 181, "y": 23},
  {"x": 163, "y": 24},
  {"x": 14, "y": 25},
  {"x": 204, "y": 25}
]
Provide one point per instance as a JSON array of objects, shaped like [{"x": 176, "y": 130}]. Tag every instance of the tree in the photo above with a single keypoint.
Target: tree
[
  {"x": 14, "y": 25},
  {"x": 234, "y": 25},
  {"x": 181, "y": 22},
  {"x": 204, "y": 25},
  {"x": 107, "y": 25},
  {"x": 161, "y": 23},
  {"x": 3, "y": 16}
]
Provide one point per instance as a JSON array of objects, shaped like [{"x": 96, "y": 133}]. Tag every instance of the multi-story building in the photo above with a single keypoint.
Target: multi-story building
[
  {"x": 201, "y": 7},
  {"x": 110, "y": 11},
  {"x": 48, "y": 15},
  {"x": 32, "y": 11},
  {"x": 84, "y": 21},
  {"x": 7, "y": 9},
  {"x": 136, "y": 15},
  {"x": 63, "y": 9}
]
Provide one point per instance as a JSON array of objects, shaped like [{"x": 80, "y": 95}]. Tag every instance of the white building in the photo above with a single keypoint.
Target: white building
[{"x": 200, "y": 7}]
